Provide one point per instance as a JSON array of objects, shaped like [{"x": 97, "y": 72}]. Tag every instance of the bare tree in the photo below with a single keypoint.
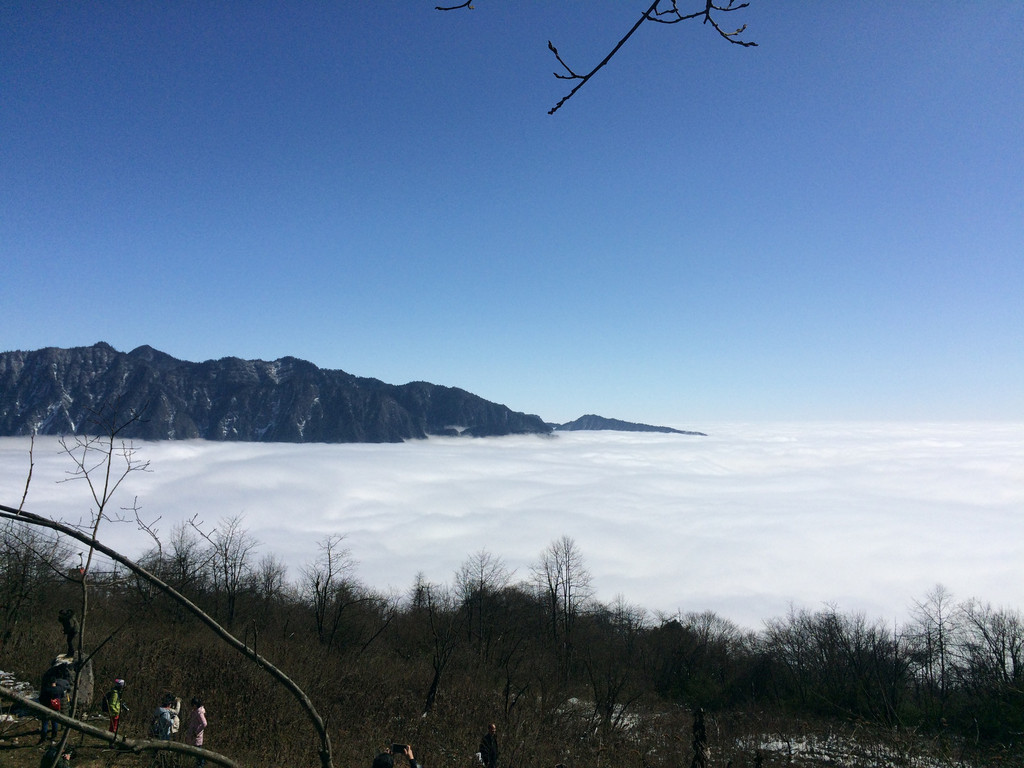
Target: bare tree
[
  {"x": 611, "y": 661},
  {"x": 30, "y": 561},
  {"x": 659, "y": 12},
  {"x": 270, "y": 578},
  {"x": 327, "y": 586},
  {"x": 445, "y": 622},
  {"x": 102, "y": 462},
  {"x": 564, "y": 583},
  {"x": 232, "y": 552},
  {"x": 992, "y": 646},
  {"x": 187, "y": 562},
  {"x": 478, "y": 581},
  {"x": 933, "y": 633}
]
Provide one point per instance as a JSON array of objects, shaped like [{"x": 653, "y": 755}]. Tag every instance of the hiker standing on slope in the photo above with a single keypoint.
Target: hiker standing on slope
[
  {"x": 69, "y": 624},
  {"x": 489, "y": 747},
  {"x": 113, "y": 703}
]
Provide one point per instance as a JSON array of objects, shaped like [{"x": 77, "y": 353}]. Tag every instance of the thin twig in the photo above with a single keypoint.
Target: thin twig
[{"x": 670, "y": 15}]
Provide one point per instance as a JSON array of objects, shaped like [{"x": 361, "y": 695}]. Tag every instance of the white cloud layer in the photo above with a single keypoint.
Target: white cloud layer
[{"x": 743, "y": 522}]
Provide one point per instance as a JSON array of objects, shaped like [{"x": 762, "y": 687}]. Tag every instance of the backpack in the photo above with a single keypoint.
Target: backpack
[
  {"x": 105, "y": 703},
  {"x": 160, "y": 725}
]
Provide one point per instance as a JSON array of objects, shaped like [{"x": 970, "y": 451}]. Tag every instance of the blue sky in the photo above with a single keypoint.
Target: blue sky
[{"x": 827, "y": 226}]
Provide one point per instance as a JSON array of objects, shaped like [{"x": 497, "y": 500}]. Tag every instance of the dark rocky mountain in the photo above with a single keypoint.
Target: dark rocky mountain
[
  {"x": 60, "y": 391},
  {"x": 590, "y": 421}
]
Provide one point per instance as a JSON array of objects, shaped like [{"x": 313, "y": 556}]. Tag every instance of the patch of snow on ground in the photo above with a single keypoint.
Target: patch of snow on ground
[{"x": 845, "y": 751}]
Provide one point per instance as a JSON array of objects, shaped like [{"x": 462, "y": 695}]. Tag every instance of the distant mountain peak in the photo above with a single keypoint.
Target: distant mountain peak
[{"x": 592, "y": 421}]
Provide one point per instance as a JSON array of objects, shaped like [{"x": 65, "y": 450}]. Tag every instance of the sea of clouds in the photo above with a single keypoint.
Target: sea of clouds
[{"x": 747, "y": 521}]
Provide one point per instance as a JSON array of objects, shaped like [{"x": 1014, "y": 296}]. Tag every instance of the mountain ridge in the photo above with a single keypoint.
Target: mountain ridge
[{"x": 58, "y": 390}]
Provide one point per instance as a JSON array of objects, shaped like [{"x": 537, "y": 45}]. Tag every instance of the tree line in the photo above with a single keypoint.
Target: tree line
[{"x": 540, "y": 647}]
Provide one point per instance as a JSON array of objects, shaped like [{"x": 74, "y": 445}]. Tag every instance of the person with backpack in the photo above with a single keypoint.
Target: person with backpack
[
  {"x": 113, "y": 705},
  {"x": 161, "y": 725},
  {"x": 53, "y": 694},
  {"x": 174, "y": 704}
]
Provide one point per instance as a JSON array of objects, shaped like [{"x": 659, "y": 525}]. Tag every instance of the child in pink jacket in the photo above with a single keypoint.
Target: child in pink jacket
[{"x": 196, "y": 727}]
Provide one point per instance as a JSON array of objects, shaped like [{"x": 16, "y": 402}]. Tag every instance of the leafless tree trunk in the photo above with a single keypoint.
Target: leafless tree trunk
[
  {"x": 563, "y": 580},
  {"x": 233, "y": 549},
  {"x": 445, "y": 628},
  {"x": 478, "y": 580},
  {"x": 701, "y": 749},
  {"x": 934, "y": 635},
  {"x": 324, "y": 585}
]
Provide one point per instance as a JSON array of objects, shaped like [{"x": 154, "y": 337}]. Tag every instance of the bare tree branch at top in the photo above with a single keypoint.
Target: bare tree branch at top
[{"x": 661, "y": 12}]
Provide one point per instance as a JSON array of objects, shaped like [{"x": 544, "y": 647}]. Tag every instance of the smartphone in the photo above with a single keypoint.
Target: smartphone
[{"x": 398, "y": 749}]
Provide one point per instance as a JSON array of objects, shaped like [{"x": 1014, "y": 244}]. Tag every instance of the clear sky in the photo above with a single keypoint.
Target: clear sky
[{"x": 827, "y": 226}]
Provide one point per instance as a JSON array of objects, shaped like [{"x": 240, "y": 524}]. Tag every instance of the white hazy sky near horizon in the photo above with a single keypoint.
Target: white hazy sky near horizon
[
  {"x": 826, "y": 226},
  {"x": 746, "y": 521}
]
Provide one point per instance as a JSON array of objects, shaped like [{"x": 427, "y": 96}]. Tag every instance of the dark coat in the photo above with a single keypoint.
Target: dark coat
[
  {"x": 56, "y": 690},
  {"x": 489, "y": 750}
]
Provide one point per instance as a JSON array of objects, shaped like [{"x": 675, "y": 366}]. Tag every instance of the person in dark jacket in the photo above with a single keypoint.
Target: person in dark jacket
[
  {"x": 54, "y": 758},
  {"x": 489, "y": 747},
  {"x": 69, "y": 624},
  {"x": 53, "y": 694},
  {"x": 387, "y": 759}
]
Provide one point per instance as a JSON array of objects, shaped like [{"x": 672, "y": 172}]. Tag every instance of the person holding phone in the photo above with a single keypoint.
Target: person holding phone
[{"x": 386, "y": 759}]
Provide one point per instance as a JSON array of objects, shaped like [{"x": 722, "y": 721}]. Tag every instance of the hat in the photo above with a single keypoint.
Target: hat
[{"x": 118, "y": 682}]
